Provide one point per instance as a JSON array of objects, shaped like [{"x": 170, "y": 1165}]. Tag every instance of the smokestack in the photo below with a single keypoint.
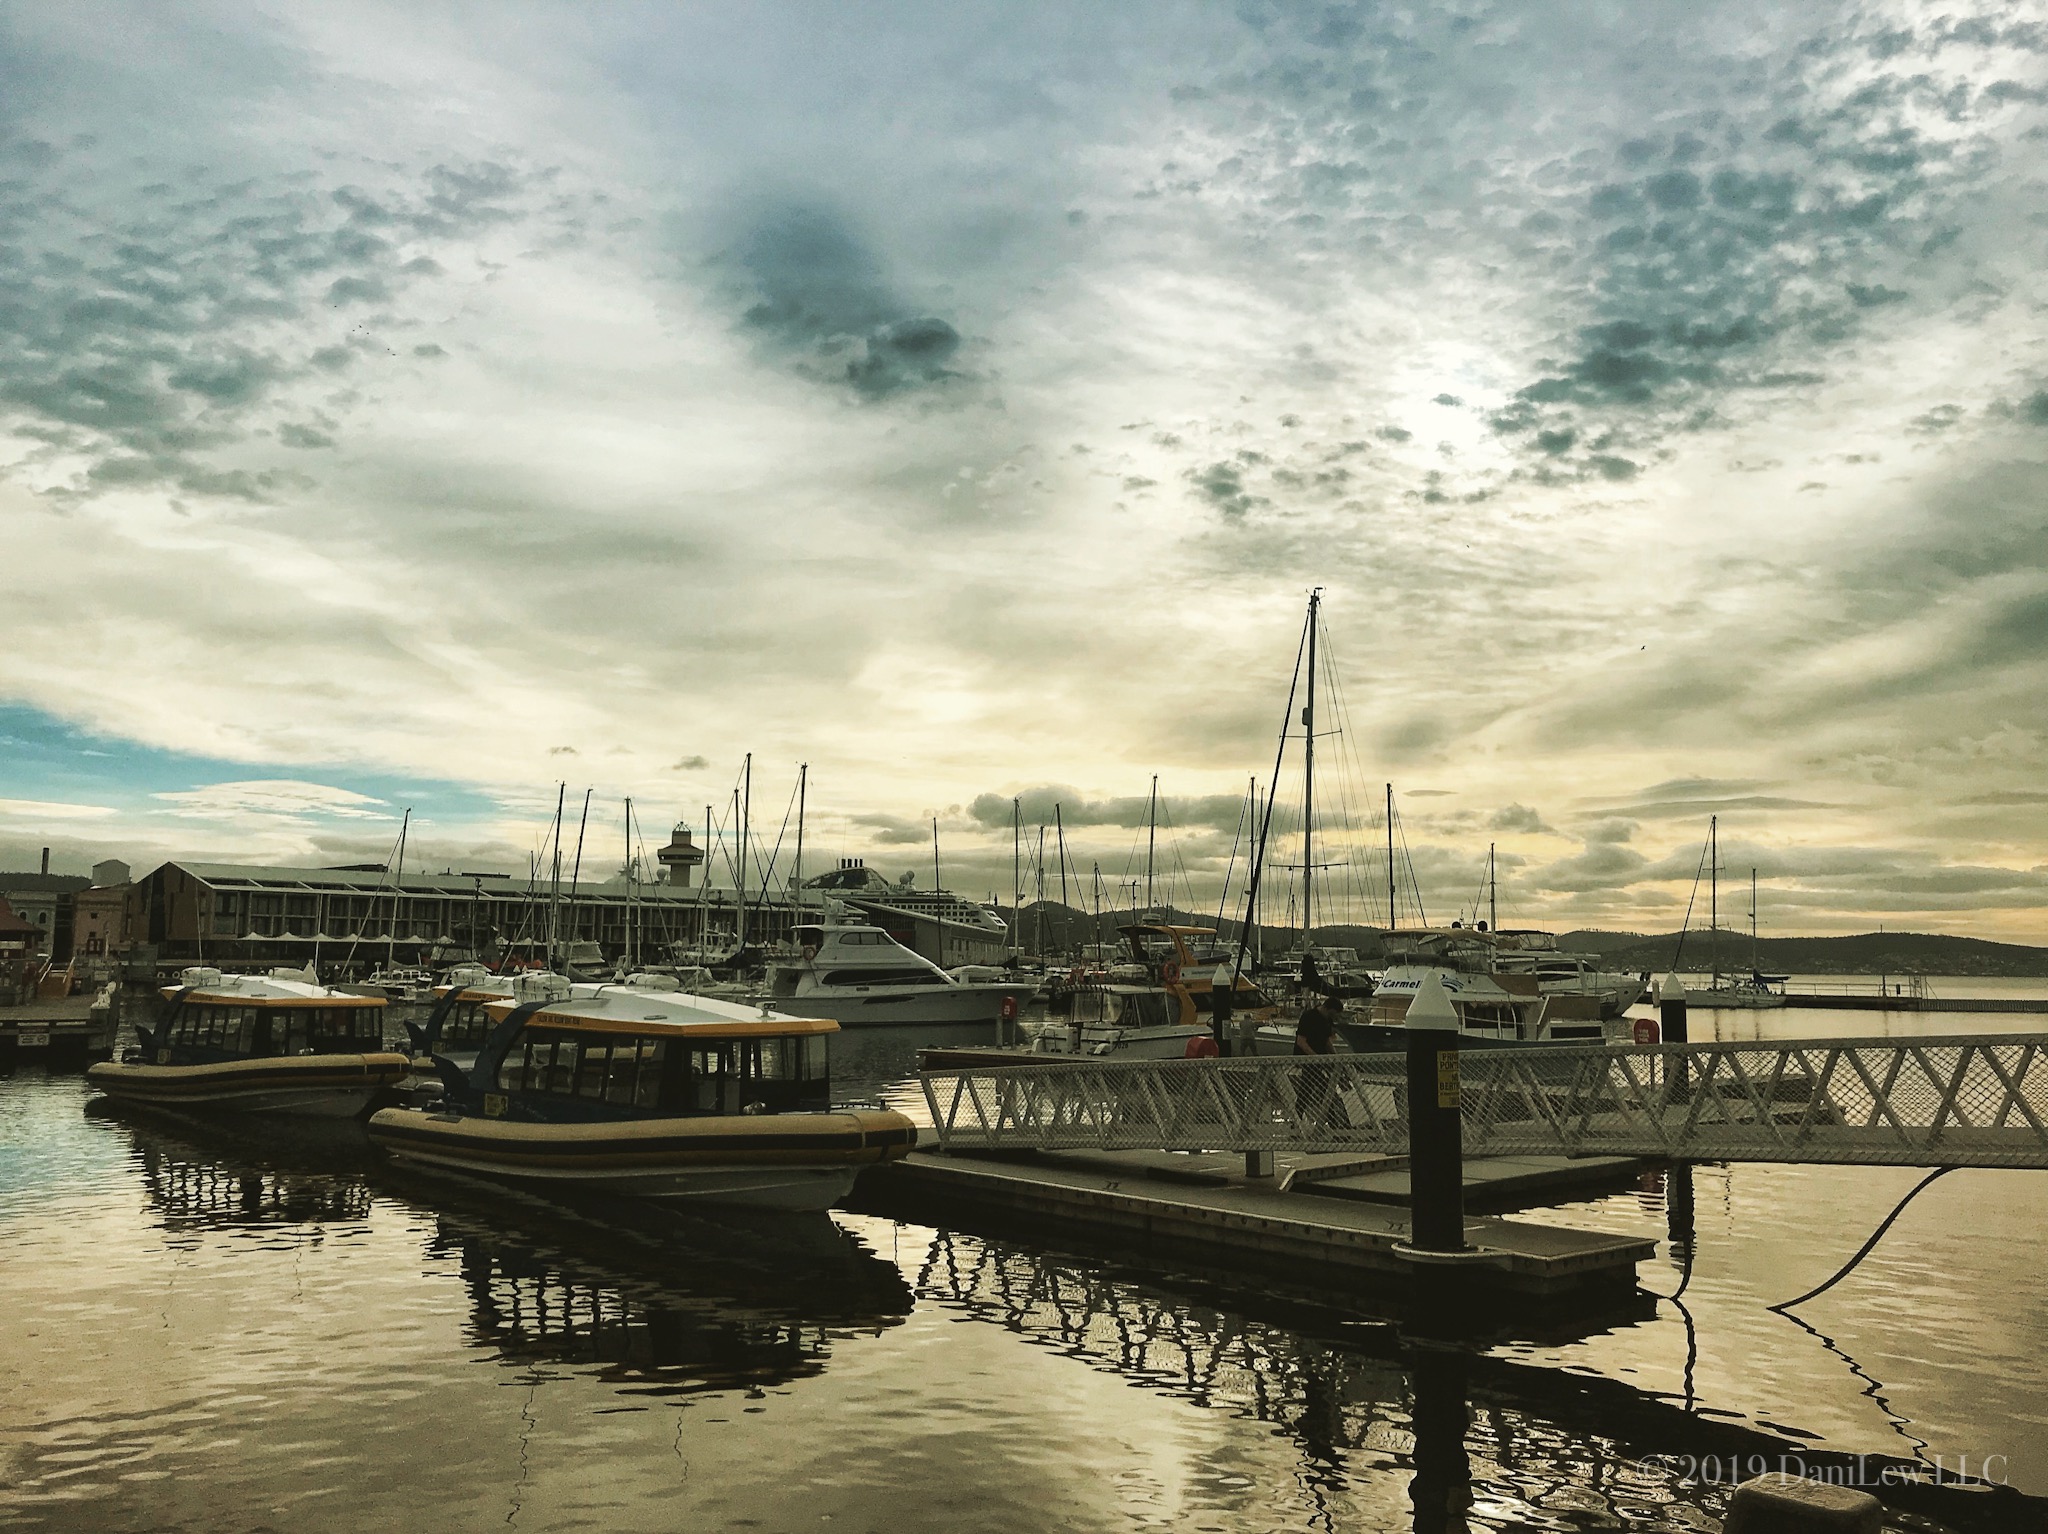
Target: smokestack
[{"x": 46, "y": 860}]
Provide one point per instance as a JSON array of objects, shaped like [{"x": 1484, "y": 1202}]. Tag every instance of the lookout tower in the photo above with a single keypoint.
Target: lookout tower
[{"x": 680, "y": 857}]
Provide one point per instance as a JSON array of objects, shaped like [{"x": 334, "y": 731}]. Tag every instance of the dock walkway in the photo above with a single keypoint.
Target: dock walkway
[{"x": 1207, "y": 1207}]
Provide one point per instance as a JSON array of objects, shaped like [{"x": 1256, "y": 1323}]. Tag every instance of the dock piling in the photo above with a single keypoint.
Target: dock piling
[{"x": 1436, "y": 1168}]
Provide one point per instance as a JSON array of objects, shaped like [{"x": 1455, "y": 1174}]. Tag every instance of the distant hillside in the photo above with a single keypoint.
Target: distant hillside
[{"x": 1869, "y": 953}]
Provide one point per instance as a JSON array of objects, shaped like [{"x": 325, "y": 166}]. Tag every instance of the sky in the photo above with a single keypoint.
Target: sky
[{"x": 443, "y": 407}]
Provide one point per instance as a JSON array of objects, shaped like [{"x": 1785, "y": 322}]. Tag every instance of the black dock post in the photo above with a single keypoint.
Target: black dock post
[
  {"x": 1671, "y": 1027},
  {"x": 1671, "y": 1024},
  {"x": 1436, "y": 1151}
]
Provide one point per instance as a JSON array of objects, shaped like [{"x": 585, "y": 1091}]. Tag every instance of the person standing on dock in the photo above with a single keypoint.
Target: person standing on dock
[{"x": 1314, "y": 1035}]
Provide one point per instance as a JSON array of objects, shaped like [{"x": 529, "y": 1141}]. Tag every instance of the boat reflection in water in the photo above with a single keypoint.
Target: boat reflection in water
[{"x": 645, "y": 1306}]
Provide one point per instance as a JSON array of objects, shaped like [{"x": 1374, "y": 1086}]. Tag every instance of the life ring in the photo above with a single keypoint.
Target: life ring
[
  {"x": 1008, "y": 1009},
  {"x": 1202, "y": 1047},
  {"x": 1170, "y": 972},
  {"x": 1646, "y": 1030}
]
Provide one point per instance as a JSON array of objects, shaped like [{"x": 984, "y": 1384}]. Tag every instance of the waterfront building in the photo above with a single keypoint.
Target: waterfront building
[{"x": 240, "y": 914}]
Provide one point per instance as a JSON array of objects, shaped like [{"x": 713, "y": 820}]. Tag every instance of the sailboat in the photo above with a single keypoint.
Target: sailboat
[{"x": 1756, "y": 989}]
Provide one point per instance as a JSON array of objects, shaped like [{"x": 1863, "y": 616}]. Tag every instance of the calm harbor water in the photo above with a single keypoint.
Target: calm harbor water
[{"x": 211, "y": 1330}]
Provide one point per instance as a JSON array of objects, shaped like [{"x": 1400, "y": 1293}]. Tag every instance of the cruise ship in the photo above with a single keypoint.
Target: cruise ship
[{"x": 935, "y": 924}]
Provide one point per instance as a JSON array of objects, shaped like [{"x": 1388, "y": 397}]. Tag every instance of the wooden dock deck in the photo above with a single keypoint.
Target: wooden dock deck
[{"x": 1204, "y": 1206}]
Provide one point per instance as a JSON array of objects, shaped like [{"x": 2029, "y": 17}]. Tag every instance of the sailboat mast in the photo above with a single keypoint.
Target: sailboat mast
[
  {"x": 935, "y": 853},
  {"x": 746, "y": 813},
  {"x": 1391, "y": 922},
  {"x": 1039, "y": 903},
  {"x": 1714, "y": 893},
  {"x": 391, "y": 948},
  {"x": 555, "y": 879},
  {"x": 803, "y": 773},
  {"x": 1151, "y": 837},
  {"x": 576, "y": 869},
  {"x": 1251, "y": 895},
  {"x": 1308, "y": 782},
  {"x": 631, "y": 870},
  {"x": 1059, "y": 827},
  {"x": 1752, "y": 922},
  {"x": 1017, "y": 875},
  {"x": 1492, "y": 892}
]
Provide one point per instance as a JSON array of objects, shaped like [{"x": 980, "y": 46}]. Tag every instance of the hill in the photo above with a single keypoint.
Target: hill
[{"x": 1868, "y": 953}]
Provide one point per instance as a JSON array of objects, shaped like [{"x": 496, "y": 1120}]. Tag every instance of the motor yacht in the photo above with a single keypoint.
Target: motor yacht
[
  {"x": 860, "y": 976},
  {"x": 651, "y": 1094},
  {"x": 279, "y": 1043}
]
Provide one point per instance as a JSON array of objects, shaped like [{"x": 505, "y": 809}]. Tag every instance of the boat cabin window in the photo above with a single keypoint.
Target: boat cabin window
[
  {"x": 883, "y": 977},
  {"x": 657, "y": 1075},
  {"x": 256, "y": 1030},
  {"x": 466, "y": 1025},
  {"x": 1147, "y": 1009}
]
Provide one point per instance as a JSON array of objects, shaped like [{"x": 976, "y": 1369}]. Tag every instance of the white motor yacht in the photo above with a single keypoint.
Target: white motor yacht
[{"x": 861, "y": 976}]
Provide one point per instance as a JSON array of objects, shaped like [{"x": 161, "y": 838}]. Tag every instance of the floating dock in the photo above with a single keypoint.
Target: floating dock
[{"x": 1326, "y": 1211}]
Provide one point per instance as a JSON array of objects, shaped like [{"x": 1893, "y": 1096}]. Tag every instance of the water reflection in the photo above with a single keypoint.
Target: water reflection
[
  {"x": 668, "y": 1306},
  {"x": 1483, "y": 1441},
  {"x": 201, "y": 1175}
]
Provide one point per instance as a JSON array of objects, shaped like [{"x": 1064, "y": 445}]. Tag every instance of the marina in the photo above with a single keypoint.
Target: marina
[
  {"x": 662, "y": 866},
  {"x": 1174, "y": 1271}
]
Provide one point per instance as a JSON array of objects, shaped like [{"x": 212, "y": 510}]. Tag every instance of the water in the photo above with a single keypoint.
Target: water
[{"x": 208, "y": 1330}]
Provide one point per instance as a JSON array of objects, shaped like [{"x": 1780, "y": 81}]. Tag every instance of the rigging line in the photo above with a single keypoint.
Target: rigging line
[
  {"x": 1236, "y": 835},
  {"x": 1401, "y": 832},
  {"x": 1685, "y": 925},
  {"x": 1351, "y": 771},
  {"x": 1251, "y": 894},
  {"x": 788, "y": 810},
  {"x": 1864, "y": 1251}
]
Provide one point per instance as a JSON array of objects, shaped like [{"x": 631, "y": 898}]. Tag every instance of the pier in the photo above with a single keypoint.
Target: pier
[{"x": 1977, "y": 1100}]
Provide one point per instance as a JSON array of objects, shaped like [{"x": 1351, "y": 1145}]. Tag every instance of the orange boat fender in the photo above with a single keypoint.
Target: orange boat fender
[
  {"x": 1647, "y": 1031},
  {"x": 1202, "y": 1047}
]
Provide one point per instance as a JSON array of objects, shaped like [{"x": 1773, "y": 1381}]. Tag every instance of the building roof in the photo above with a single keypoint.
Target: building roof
[
  {"x": 266, "y": 876},
  {"x": 43, "y": 884},
  {"x": 9, "y": 922}
]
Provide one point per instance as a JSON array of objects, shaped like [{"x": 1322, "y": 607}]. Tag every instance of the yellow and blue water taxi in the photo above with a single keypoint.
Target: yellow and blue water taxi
[
  {"x": 278, "y": 1043},
  {"x": 650, "y": 1092}
]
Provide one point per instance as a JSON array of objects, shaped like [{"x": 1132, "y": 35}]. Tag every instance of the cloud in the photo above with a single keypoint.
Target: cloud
[
  {"x": 820, "y": 303},
  {"x": 1037, "y": 806},
  {"x": 44, "y": 809},
  {"x": 283, "y": 798},
  {"x": 689, "y": 764}
]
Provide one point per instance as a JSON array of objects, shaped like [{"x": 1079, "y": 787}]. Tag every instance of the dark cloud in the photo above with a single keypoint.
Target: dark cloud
[
  {"x": 689, "y": 764},
  {"x": 1222, "y": 485},
  {"x": 820, "y": 301},
  {"x": 1516, "y": 817}
]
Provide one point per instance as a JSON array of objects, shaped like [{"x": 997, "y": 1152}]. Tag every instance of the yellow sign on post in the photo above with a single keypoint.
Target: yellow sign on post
[{"x": 1447, "y": 1078}]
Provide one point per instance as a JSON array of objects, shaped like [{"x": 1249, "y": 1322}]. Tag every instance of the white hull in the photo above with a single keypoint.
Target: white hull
[{"x": 885, "y": 1006}]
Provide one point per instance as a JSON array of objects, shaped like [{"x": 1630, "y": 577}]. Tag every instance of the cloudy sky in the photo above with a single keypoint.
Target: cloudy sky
[{"x": 422, "y": 406}]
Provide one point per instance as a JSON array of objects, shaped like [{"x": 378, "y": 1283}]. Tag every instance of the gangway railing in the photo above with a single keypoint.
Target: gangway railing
[{"x": 1976, "y": 1101}]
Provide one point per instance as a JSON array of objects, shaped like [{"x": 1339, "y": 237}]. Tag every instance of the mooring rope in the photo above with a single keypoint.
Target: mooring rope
[{"x": 1864, "y": 1251}]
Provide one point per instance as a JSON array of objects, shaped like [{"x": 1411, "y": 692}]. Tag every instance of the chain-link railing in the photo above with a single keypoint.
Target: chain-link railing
[{"x": 1980, "y": 1100}]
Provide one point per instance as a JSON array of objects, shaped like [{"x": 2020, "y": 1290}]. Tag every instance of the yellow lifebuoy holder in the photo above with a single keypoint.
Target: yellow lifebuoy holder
[{"x": 1170, "y": 972}]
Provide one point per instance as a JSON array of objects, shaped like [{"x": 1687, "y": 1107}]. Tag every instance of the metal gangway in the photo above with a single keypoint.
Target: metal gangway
[{"x": 1962, "y": 1101}]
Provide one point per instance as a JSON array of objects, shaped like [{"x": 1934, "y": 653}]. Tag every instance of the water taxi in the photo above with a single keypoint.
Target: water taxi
[
  {"x": 649, "y": 1093},
  {"x": 276, "y": 1043}
]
